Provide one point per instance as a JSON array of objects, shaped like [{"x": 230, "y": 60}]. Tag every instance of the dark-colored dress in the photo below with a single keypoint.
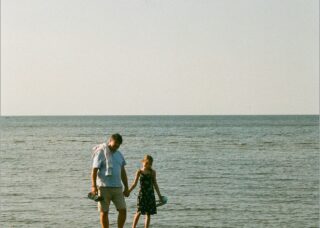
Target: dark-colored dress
[{"x": 146, "y": 199}]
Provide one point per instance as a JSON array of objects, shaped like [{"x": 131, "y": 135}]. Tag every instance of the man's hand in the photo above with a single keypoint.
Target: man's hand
[
  {"x": 94, "y": 189},
  {"x": 126, "y": 192}
]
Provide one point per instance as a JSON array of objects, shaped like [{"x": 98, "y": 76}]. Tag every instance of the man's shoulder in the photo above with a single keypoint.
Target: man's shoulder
[
  {"x": 119, "y": 156},
  {"x": 99, "y": 153},
  {"x": 99, "y": 148},
  {"x": 119, "y": 153}
]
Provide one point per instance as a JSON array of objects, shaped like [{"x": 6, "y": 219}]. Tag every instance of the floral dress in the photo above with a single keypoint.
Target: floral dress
[{"x": 146, "y": 198}]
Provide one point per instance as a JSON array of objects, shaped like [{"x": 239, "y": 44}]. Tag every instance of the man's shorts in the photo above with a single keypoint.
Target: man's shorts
[{"x": 111, "y": 194}]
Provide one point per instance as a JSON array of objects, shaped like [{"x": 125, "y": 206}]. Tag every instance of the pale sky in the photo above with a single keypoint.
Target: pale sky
[{"x": 159, "y": 57}]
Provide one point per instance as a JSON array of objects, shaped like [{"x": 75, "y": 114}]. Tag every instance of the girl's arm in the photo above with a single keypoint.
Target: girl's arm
[
  {"x": 155, "y": 184},
  {"x": 134, "y": 184}
]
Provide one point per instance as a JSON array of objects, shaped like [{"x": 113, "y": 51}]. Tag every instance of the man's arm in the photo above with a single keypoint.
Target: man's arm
[
  {"x": 125, "y": 181},
  {"x": 96, "y": 164},
  {"x": 94, "y": 180}
]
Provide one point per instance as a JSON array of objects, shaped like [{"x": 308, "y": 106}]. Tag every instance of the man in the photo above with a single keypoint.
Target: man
[{"x": 107, "y": 173}]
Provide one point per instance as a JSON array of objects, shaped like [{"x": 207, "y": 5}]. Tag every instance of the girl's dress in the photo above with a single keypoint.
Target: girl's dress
[{"x": 146, "y": 198}]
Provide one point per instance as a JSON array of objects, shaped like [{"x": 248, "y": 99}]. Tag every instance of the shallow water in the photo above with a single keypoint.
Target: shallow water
[{"x": 217, "y": 171}]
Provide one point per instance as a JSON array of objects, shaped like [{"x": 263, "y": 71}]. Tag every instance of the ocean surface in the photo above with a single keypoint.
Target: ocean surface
[{"x": 217, "y": 171}]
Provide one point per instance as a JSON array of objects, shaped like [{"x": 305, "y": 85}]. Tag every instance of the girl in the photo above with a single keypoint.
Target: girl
[{"x": 146, "y": 198}]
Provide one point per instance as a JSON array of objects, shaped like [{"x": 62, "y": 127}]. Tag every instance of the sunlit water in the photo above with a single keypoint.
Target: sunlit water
[{"x": 217, "y": 171}]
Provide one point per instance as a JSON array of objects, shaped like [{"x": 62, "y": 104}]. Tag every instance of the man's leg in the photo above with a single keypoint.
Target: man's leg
[
  {"x": 103, "y": 206},
  {"x": 122, "y": 217},
  {"x": 104, "y": 220},
  {"x": 120, "y": 203}
]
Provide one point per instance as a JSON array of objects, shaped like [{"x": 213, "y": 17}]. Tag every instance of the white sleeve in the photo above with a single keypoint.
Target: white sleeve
[{"x": 97, "y": 159}]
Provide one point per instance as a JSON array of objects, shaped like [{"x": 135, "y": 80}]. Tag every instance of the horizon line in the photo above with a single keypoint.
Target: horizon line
[{"x": 137, "y": 115}]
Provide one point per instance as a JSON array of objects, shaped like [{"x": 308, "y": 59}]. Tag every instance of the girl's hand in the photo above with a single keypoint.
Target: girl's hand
[{"x": 126, "y": 193}]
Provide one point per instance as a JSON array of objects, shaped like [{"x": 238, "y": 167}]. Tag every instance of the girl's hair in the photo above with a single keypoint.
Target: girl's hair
[{"x": 148, "y": 158}]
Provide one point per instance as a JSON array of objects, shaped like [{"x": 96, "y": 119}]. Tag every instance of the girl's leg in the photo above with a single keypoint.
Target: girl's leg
[
  {"x": 147, "y": 221},
  {"x": 136, "y": 219}
]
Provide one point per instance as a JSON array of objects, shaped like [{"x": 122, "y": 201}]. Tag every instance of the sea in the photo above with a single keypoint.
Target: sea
[{"x": 216, "y": 171}]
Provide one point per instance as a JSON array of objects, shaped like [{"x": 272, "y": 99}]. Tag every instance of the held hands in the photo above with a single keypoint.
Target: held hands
[{"x": 126, "y": 192}]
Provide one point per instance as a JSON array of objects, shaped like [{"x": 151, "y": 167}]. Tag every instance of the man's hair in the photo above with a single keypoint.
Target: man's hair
[{"x": 117, "y": 137}]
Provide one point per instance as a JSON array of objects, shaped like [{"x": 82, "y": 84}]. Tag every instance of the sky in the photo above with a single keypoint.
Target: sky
[{"x": 159, "y": 57}]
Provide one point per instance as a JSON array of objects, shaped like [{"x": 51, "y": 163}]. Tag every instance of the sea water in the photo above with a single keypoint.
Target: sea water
[{"x": 217, "y": 171}]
